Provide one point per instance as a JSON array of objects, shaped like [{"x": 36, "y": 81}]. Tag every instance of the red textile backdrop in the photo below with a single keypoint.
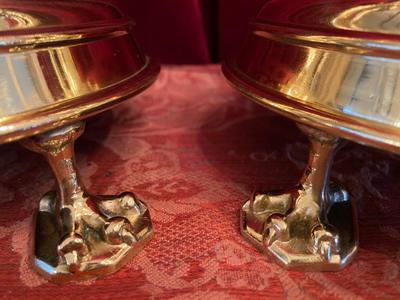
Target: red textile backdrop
[
  {"x": 194, "y": 150},
  {"x": 189, "y": 31}
]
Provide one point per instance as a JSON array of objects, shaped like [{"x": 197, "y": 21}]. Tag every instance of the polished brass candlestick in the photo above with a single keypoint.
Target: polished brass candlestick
[
  {"x": 332, "y": 66},
  {"x": 310, "y": 227},
  {"x": 61, "y": 63},
  {"x": 79, "y": 235}
]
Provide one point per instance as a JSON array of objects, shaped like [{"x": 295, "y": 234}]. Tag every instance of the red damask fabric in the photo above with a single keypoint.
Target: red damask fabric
[{"x": 194, "y": 150}]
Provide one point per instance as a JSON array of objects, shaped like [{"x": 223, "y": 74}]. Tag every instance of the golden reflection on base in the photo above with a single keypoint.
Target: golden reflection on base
[
  {"x": 311, "y": 227},
  {"x": 80, "y": 236}
]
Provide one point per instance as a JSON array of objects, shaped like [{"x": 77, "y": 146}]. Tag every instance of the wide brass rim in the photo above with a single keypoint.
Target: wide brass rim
[
  {"x": 361, "y": 131},
  {"x": 21, "y": 125}
]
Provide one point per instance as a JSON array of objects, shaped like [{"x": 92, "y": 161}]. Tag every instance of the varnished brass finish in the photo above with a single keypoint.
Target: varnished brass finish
[
  {"x": 78, "y": 235},
  {"x": 61, "y": 62},
  {"x": 333, "y": 66},
  {"x": 310, "y": 227},
  {"x": 64, "y": 61},
  {"x": 336, "y": 69}
]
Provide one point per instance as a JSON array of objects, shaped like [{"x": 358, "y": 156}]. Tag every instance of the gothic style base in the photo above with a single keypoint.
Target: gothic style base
[
  {"x": 310, "y": 228},
  {"x": 80, "y": 236}
]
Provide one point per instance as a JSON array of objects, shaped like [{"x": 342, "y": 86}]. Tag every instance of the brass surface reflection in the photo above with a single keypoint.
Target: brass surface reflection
[
  {"x": 382, "y": 17},
  {"x": 78, "y": 235},
  {"x": 347, "y": 84},
  {"x": 334, "y": 68},
  {"x": 62, "y": 61},
  {"x": 58, "y": 66}
]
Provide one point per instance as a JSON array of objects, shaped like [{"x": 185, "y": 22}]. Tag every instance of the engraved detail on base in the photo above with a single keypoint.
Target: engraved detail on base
[
  {"x": 80, "y": 236},
  {"x": 311, "y": 227}
]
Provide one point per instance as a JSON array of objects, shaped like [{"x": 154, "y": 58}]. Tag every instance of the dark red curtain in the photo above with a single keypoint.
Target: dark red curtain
[{"x": 189, "y": 31}]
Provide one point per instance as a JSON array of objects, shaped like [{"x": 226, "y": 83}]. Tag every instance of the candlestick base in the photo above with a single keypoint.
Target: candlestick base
[
  {"x": 109, "y": 231},
  {"x": 80, "y": 236},
  {"x": 311, "y": 227}
]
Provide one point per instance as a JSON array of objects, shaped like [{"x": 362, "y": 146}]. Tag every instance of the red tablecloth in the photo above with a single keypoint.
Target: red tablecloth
[{"x": 194, "y": 149}]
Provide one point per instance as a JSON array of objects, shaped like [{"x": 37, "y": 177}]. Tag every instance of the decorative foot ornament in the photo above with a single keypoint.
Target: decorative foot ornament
[
  {"x": 64, "y": 62},
  {"x": 310, "y": 227},
  {"x": 79, "y": 235},
  {"x": 332, "y": 66}
]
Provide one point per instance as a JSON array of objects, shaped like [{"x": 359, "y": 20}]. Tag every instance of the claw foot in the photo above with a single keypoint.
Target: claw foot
[
  {"x": 71, "y": 250},
  {"x": 107, "y": 232},
  {"x": 276, "y": 229},
  {"x": 79, "y": 236},
  {"x": 297, "y": 238},
  {"x": 325, "y": 243},
  {"x": 119, "y": 231},
  {"x": 311, "y": 227}
]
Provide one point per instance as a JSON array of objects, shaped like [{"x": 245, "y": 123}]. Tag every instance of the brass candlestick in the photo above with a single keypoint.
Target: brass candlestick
[
  {"x": 332, "y": 66},
  {"x": 79, "y": 235},
  {"x": 61, "y": 63}
]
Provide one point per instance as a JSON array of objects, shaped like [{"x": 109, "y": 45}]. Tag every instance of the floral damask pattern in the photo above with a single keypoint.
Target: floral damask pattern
[{"x": 194, "y": 150}]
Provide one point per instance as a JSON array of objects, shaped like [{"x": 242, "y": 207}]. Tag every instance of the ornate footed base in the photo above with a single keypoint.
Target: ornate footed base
[
  {"x": 312, "y": 227},
  {"x": 108, "y": 233},
  {"x": 79, "y": 236}
]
